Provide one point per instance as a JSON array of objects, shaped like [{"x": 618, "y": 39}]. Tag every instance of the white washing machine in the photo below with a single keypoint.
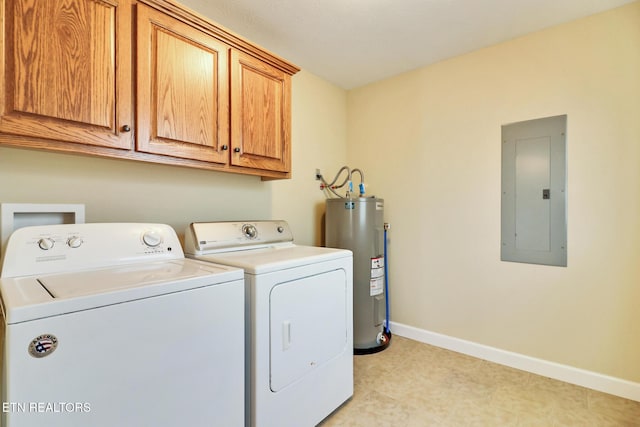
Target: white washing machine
[
  {"x": 109, "y": 325},
  {"x": 299, "y": 318}
]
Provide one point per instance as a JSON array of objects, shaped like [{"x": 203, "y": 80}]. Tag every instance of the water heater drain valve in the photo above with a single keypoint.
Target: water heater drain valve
[{"x": 382, "y": 338}]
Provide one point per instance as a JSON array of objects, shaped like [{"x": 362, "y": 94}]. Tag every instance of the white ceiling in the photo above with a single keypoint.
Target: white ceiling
[{"x": 354, "y": 42}]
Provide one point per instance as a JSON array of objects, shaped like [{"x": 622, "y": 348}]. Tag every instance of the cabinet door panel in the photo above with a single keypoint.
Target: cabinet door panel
[
  {"x": 182, "y": 90},
  {"x": 66, "y": 65},
  {"x": 260, "y": 114}
]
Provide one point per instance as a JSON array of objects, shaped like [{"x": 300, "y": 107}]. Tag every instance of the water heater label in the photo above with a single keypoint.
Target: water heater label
[
  {"x": 377, "y": 263},
  {"x": 376, "y": 286}
]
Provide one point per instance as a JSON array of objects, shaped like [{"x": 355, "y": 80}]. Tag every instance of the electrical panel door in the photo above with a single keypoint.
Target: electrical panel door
[{"x": 534, "y": 192}]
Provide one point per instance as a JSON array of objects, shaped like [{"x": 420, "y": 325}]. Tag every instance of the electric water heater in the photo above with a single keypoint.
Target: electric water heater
[{"x": 357, "y": 224}]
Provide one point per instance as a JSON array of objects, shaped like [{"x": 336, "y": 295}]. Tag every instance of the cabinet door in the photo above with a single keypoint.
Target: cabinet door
[
  {"x": 182, "y": 88},
  {"x": 66, "y": 72},
  {"x": 260, "y": 114}
]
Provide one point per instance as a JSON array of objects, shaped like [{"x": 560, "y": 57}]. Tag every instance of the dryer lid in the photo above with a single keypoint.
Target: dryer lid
[{"x": 275, "y": 258}]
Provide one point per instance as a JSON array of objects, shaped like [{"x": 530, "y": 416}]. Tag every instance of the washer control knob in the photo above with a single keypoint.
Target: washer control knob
[
  {"x": 45, "y": 243},
  {"x": 151, "y": 238},
  {"x": 250, "y": 231},
  {"x": 74, "y": 241},
  {"x": 280, "y": 229}
]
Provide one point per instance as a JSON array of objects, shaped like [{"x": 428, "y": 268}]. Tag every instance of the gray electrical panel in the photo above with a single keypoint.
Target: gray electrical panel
[{"x": 534, "y": 192}]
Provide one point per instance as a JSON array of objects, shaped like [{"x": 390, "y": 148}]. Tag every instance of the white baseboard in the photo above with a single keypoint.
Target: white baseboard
[{"x": 569, "y": 374}]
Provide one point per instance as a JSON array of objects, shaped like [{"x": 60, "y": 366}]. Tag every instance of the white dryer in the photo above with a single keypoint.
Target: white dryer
[
  {"x": 299, "y": 318},
  {"x": 109, "y": 325}
]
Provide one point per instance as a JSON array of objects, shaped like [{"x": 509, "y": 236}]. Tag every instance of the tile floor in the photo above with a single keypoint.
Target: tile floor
[{"x": 411, "y": 384}]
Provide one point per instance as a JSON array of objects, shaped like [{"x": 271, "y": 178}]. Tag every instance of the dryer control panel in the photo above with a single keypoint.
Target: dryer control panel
[
  {"x": 67, "y": 247},
  {"x": 207, "y": 237}
]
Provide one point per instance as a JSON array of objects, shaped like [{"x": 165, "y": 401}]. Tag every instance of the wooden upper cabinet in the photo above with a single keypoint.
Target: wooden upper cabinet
[
  {"x": 260, "y": 114},
  {"x": 66, "y": 71},
  {"x": 182, "y": 89},
  {"x": 145, "y": 80}
]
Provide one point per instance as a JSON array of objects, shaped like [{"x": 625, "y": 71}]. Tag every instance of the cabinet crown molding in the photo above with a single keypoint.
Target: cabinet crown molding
[{"x": 216, "y": 30}]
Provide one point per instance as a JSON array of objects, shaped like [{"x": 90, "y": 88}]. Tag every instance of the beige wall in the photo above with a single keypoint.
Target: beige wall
[
  {"x": 429, "y": 143},
  {"x": 119, "y": 190},
  {"x": 319, "y": 130}
]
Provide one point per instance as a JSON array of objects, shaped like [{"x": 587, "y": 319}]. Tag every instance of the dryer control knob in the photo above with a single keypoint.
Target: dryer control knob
[
  {"x": 250, "y": 231},
  {"x": 45, "y": 243},
  {"x": 151, "y": 238},
  {"x": 74, "y": 242}
]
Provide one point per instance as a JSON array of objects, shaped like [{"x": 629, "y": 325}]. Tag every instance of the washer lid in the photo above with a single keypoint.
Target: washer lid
[
  {"x": 33, "y": 297},
  {"x": 91, "y": 282}
]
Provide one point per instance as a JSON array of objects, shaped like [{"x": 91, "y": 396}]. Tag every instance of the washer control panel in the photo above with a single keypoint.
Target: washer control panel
[
  {"x": 66, "y": 247},
  {"x": 48, "y": 243}
]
